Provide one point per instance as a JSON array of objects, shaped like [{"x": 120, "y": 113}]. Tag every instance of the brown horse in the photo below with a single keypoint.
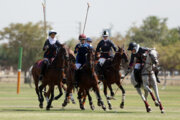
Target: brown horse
[
  {"x": 61, "y": 85},
  {"x": 87, "y": 79},
  {"x": 54, "y": 75},
  {"x": 110, "y": 70}
]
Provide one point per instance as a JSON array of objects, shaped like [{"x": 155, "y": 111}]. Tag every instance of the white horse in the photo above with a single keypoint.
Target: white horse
[{"x": 149, "y": 80}]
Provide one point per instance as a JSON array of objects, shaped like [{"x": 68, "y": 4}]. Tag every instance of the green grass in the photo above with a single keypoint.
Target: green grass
[{"x": 25, "y": 106}]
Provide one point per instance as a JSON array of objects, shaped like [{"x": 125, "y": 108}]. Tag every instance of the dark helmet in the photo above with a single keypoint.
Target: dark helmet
[
  {"x": 82, "y": 37},
  {"x": 89, "y": 39},
  {"x": 132, "y": 45}
]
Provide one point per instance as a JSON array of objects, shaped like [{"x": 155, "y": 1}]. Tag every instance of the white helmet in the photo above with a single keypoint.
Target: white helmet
[
  {"x": 105, "y": 33},
  {"x": 52, "y": 31}
]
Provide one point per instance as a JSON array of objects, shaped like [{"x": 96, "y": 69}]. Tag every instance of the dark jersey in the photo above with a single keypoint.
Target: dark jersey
[
  {"x": 52, "y": 49},
  {"x": 138, "y": 55},
  {"x": 106, "y": 48},
  {"x": 82, "y": 50}
]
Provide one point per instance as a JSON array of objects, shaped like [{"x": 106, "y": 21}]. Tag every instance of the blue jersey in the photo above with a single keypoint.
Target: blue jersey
[{"x": 81, "y": 50}]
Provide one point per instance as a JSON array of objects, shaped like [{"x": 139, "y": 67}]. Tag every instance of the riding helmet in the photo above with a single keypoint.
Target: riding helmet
[
  {"x": 82, "y": 37},
  {"x": 105, "y": 33},
  {"x": 89, "y": 39},
  {"x": 132, "y": 45},
  {"x": 52, "y": 31}
]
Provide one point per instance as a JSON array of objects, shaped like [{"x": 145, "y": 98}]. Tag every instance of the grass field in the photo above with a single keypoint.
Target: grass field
[{"x": 25, "y": 106}]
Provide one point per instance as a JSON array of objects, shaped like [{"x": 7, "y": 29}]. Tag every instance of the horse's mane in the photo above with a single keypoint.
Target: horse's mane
[{"x": 153, "y": 52}]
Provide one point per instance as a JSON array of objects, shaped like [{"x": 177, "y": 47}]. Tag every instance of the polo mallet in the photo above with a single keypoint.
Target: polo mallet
[
  {"x": 86, "y": 17},
  {"x": 122, "y": 80}
]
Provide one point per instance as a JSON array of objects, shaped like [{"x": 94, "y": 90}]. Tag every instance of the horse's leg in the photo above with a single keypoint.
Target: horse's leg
[
  {"x": 100, "y": 102},
  {"x": 79, "y": 97},
  {"x": 47, "y": 94},
  {"x": 148, "y": 109},
  {"x": 37, "y": 91},
  {"x": 90, "y": 100},
  {"x": 72, "y": 98},
  {"x": 111, "y": 90},
  {"x": 123, "y": 94},
  {"x": 69, "y": 89},
  {"x": 60, "y": 93},
  {"x": 147, "y": 88},
  {"x": 145, "y": 94},
  {"x": 155, "y": 87},
  {"x": 107, "y": 98},
  {"x": 51, "y": 87},
  {"x": 84, "y": 98},
  {"x": 41, "y": 95}
]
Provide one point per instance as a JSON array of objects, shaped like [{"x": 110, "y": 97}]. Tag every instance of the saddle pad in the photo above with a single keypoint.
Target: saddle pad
[
  {"x": 39, "y": 63},
  {"x": 137, "y": 66},
  {"x": 102, "y": 61},
  {"x": 78, "y": 65}
]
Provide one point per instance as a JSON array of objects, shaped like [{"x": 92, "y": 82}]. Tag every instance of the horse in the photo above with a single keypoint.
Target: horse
[
  {"x": 61, "y": 85},
  {"x": 112, "y": 75},
  {"x": 87, "y": 79},
  {"x": 149, "y": 80},
  {"x": 54, "y": 75}
]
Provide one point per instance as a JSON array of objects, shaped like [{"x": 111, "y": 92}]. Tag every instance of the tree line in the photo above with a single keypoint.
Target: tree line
[{"x": 153, "y": 33}]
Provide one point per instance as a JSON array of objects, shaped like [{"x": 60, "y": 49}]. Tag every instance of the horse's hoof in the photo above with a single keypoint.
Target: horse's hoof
[
  {"x": 73, "y": 102},
  {"x": 92, "y": 107},
  {"x": 122, "y": 105},
  {"x": 148, "y": 109},
  {"x": 64, "y": 104},
  {"x": 82, "y": 107},
  {"x": 162, "y": 111},
  {"x": 109, "y": 98},
  {"x": 104, "y": 107},
  {"x": 156, "y": 103},
  {"x": 41, "y": 106},
  {"x": 99, "y": 103}
]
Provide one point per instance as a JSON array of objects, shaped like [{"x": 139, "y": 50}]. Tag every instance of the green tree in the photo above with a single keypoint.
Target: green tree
[
  {"x": 30, "y": 36},
  {"x": 153, "y": 30}
]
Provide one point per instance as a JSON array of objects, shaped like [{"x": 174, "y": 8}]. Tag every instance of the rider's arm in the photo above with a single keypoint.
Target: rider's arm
[
  {"x": 131, "y": 61},
  {"x": 98, "y": 47},
  {"x": 46, "y": 46},
  {"x": 113, "y": 46},
  {"x": 76, "y": 48},
  {"x": 58, "y": 44}
]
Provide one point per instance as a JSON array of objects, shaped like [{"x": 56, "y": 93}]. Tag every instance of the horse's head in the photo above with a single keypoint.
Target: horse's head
[
  {"x": 154, "y": 56},
  {"x": 90, "y": 57},
  {"x": 62, "y": 56},
  {"x": 150, "y": 58}
]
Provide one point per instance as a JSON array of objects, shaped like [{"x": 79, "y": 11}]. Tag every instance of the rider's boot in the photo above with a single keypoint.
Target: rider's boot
[
  {"x": 43, "y": 69},
  {"x": 137, "y": 78},
  {"x": 156, "y": 71},
  {"x": 99, "y": 71}
]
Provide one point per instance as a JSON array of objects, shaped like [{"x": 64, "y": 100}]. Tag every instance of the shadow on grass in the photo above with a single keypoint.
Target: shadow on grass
[{"x": 56, "y": 110}]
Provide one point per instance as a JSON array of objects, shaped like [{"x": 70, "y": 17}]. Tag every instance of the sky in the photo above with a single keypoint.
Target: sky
[{"x": 65, "y": 15}]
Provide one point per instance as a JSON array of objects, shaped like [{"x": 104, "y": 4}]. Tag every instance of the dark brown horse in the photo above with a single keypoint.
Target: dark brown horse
[
  {"x": 110, "y": 70},
  {"x": 87, "y": 79},
  {"x": 61, "y": 85},
  {"x": 54, "y": 75}
]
